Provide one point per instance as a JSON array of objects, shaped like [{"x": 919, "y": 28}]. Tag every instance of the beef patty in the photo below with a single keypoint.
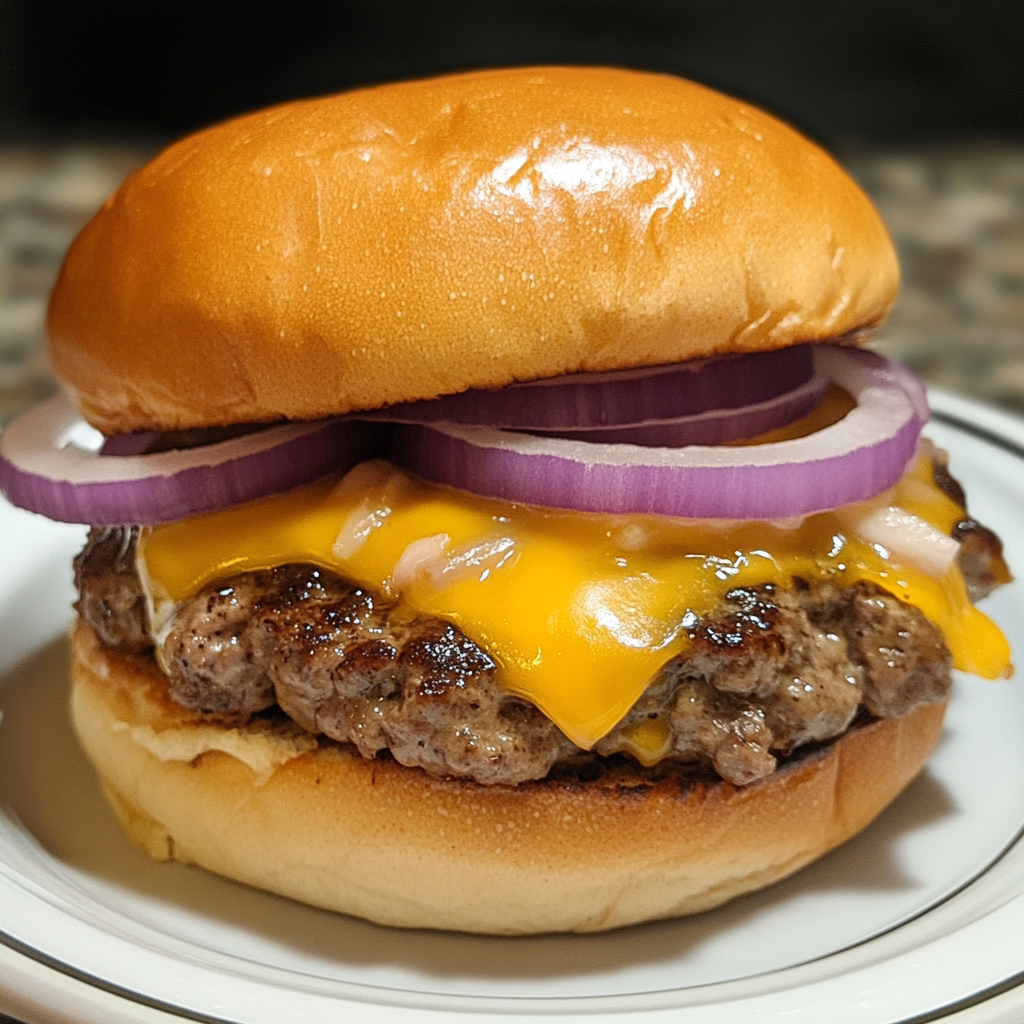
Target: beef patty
[{"x": 770, "y": 671}]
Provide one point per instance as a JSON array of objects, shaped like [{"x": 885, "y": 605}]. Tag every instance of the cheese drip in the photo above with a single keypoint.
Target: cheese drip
[{"x": 580, "y": 611}]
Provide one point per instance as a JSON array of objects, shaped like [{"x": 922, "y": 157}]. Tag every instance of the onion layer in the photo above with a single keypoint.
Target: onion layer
[
  {"x": 854, "y": 459},
  {"x": 49, "y": 463},
  {"x": 586, "y": 400},
  {"x": 716, "y": 426}
]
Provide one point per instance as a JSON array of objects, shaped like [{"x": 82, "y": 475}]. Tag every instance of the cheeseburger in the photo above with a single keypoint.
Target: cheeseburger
[{"x": 496, "y": 526}]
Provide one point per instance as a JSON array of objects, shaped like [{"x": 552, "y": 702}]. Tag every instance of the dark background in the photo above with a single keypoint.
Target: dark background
[{"x": 849, "y": 72}]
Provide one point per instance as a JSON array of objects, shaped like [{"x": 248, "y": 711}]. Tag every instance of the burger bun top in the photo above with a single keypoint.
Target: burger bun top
[{"x": 405, "y": 241}]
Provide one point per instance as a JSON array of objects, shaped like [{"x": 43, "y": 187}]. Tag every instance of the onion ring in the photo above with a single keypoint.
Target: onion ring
[
  {"x": 851, "y": 460},
  {"x": 717, "y": 426},
  {"x": 50, "y": 463},
  {"x": 586, "y": 400}
]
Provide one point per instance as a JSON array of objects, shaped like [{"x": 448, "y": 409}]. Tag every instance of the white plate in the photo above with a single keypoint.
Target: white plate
[{"x": 919, "y": 918}]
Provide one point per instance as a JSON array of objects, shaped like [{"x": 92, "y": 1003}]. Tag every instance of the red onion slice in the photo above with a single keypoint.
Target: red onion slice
[
  {"x": 714, "y": 427},
  {"x": 50, "y": 463},
  {"x": 583, "y": 400},
  {"x": 854, "y": 459}
]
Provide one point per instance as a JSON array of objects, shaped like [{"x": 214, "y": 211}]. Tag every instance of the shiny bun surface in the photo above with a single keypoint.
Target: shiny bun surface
[{"x": 410, "y": 240}]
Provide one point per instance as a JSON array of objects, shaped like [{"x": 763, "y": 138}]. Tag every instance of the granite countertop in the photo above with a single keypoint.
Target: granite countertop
[
  {"x": 957, "y": 216},
  {"x": 46, "y": 195}
]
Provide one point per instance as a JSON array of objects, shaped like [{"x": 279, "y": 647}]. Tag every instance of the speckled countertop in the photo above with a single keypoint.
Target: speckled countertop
[
  {"x": 46, "y": 195},
  {"x": 957, "y": 217}
]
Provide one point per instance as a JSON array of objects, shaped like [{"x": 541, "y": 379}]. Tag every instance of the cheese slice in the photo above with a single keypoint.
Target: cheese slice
[{"x": 580, "y": 611}]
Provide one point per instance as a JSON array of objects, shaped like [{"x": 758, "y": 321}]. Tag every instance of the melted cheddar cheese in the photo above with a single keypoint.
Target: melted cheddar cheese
[{"x": 580, "y": 611}]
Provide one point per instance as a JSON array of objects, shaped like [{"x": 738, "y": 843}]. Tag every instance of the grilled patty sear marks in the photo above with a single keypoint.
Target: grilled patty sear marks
[{"x": 770, "y": 671}]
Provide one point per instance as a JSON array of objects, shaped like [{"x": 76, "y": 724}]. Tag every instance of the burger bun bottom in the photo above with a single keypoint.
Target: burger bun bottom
[{"x": 270, "y": 806}]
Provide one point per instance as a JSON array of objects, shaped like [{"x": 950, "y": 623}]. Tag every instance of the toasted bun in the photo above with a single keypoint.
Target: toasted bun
[
  {"x": 267, "y": 806},
  {"x": 411, "y": 240}
]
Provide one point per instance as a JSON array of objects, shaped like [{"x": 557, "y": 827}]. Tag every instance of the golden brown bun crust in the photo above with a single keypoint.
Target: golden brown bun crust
[
  {"x": 394, "y": 845},
  {"x": 417, "y": 239}
]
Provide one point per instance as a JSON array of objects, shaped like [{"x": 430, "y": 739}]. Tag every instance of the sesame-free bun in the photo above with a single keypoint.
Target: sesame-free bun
[
  {"x": 410, "y": 240},
  {"x": 268, "y": 806}
]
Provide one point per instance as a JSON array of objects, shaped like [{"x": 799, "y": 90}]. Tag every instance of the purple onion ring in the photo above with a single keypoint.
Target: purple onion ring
[
  {"x": 586, "y": 400},
  {"x": 716, "y": 426},
  {"x": 851, "y": 460},
  {"x": 44, "y": 470}
]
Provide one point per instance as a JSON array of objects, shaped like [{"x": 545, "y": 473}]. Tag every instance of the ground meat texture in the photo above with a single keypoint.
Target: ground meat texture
[
  {"x": 770, "y": 671},
  {"x": 776, "y": 669},
  {"x": 343, "y": 666},
  {"x": 980, "y": 557},
  {"x": 208, "y": 659},
  {"x": 903, "y": 659},
  {"x": 110, "y": 596}
]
